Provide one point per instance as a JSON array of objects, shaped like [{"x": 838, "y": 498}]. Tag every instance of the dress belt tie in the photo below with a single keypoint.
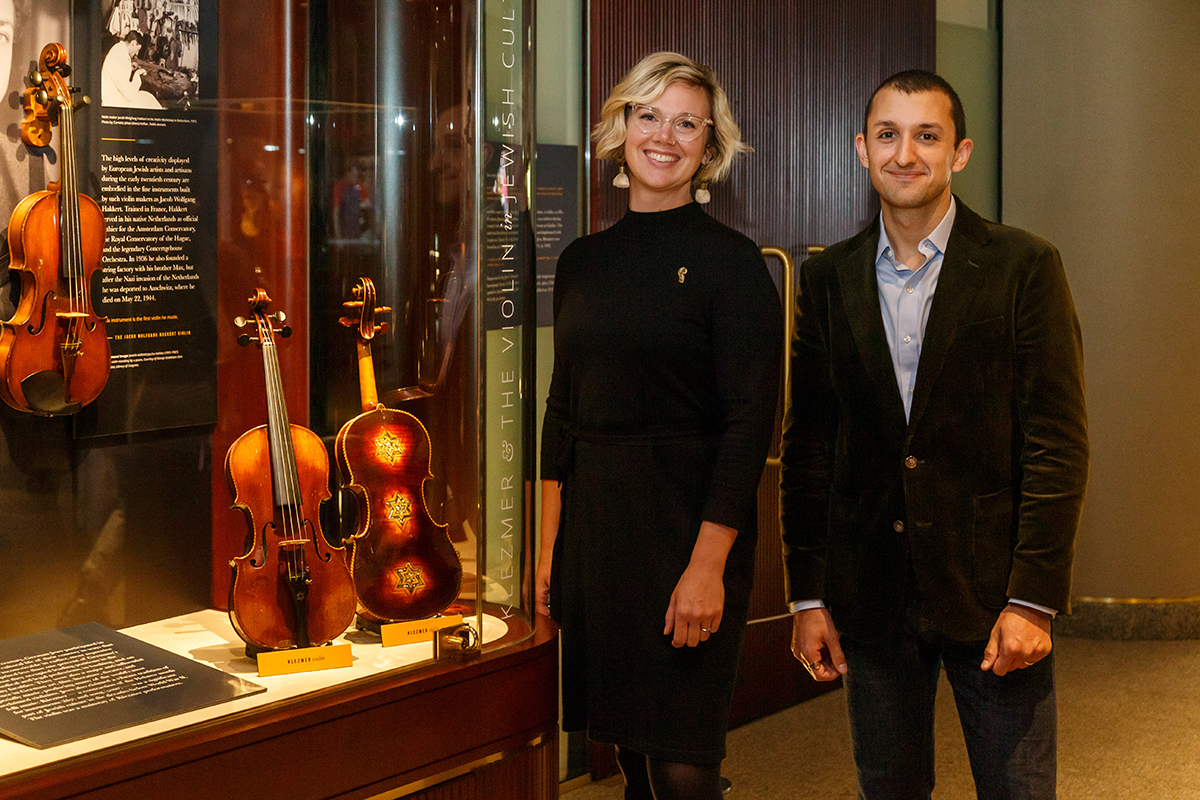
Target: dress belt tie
[{"x": 565, "y": 463}]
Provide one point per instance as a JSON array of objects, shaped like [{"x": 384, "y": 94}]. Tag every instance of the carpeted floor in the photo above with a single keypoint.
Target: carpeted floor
[{"x": 1129, "y": 727}]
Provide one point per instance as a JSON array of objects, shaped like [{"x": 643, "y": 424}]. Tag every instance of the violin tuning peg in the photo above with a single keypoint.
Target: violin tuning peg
[
  {"x": 244, "y": 339},
  {"x": 64, "y": 70},
  {"x": 279, "y": 317},
  {"x": 35, "y": 78},
  {"x": 239, "y": 321},
  {"x": 41, "y": 97},
  {"x": 83, "y": 101},
  {"x": 285, "y": 331}
]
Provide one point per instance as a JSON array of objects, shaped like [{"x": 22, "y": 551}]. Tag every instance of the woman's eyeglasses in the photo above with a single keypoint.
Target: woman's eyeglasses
[{"x": 649, "y": 120}]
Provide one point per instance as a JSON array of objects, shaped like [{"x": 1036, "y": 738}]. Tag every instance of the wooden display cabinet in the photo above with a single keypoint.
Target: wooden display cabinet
[{"x": 483, "y": 727}]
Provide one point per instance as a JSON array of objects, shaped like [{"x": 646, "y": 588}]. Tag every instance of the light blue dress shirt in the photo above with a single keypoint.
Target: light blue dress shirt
[{"x": 905, "y": 297}]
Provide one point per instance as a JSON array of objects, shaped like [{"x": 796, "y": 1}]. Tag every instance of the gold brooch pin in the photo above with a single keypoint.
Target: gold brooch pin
[{"x": 682, "y": 273}]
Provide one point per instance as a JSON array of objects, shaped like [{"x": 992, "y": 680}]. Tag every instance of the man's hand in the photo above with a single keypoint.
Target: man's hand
[
  {"x": 816, "y": 644},
  {"x": 1020, "y": 638}
]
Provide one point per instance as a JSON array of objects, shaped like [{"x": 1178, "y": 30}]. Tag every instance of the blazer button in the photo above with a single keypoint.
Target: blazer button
[
  {"x": 898, "y": 526},
  {"x": 910, "y": 462}
]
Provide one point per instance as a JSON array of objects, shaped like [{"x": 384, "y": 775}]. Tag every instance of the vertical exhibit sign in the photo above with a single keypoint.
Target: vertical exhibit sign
[
  {"x": 157, "y": 189},
  {"x": 504, "y": 223},
  {"x": 557, "y": 218}
]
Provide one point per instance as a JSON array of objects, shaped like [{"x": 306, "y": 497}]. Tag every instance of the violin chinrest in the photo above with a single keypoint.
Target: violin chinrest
[{"x": 46, "y": 393}]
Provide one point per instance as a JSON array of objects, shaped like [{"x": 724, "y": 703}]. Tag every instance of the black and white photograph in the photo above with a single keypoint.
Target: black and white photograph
[{"x": 151, "y": 54}]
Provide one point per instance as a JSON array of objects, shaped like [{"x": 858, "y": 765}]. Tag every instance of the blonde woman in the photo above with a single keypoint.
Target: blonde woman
[{"x": 666, "y": 366}]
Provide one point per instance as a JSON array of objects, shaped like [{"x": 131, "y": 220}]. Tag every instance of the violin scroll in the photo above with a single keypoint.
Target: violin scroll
[
  {"x": 53, "y": 60},
  {"x": 265, "y": 323},
  {"x": 38, "y": 100},
  {"x": 362, "y": 307},
  {"x": 363, "y": 310}
]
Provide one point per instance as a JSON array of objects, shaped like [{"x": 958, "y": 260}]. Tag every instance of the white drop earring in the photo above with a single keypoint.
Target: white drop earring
[
  {"x": 621, "y": 180},
  {"x": 702, "y": 195}
]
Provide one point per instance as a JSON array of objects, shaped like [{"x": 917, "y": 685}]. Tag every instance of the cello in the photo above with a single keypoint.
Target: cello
[
  {"x": 404, "y": 564},
  {"x": 291, "y": 588},
  {"x": 54, "y": 351}
]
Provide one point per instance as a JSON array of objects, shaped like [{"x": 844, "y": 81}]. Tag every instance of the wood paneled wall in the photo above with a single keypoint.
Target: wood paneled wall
[
  {"x": 798, "y": 75},
  {"x": 262, "y": 232}
]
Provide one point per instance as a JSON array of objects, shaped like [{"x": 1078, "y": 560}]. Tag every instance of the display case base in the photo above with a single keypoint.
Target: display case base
[{"x": 480, "y": 728}]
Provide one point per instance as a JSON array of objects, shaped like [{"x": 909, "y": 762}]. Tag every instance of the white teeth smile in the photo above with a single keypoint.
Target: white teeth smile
[{"x": 662, "y": 158}]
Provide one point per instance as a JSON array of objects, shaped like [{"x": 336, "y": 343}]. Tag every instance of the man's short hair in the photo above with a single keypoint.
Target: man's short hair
[{"x": 912, "y": 81}]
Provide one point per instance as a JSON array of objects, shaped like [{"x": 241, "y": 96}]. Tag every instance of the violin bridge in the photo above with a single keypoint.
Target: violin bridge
[{"x": 293, "y": 542}]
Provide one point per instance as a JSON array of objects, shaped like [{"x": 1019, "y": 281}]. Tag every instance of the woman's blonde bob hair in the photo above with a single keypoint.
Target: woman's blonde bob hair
[{"x": 645, "y": 83}]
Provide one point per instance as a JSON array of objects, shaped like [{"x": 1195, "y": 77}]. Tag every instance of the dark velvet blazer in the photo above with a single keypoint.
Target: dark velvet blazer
[{"x": 978, "y": 496}]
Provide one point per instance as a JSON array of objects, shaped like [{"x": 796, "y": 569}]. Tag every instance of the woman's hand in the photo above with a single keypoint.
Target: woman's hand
[
  {"x": 551, "y": 510},
  {"x": 696, "y": 606},
  {"x": 541, "y": 583},
  {"x": 698, "y": 601}
]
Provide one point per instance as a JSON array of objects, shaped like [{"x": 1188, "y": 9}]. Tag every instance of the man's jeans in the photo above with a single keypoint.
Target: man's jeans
[{"x": 1010, "y": 723}]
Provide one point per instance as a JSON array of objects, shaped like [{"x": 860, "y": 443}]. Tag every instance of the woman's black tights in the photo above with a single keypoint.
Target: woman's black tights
[{"x": 651, "y": 779}]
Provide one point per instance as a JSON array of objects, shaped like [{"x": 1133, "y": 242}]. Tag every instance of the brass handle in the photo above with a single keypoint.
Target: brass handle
[{"x": 789, "y": 321}]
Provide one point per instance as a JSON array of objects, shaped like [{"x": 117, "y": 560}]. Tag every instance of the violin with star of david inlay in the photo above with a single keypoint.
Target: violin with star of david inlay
[{"x": 403, "y": 563}]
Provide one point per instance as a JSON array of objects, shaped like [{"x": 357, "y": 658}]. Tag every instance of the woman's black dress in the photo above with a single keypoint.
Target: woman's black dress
[{"x": 667, "y": 346}]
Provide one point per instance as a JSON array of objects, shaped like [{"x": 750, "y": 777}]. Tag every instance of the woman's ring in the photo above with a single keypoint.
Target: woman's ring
[{"x": 705, "y": 630}]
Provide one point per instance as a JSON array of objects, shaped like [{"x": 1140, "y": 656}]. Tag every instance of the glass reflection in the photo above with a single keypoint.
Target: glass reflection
[{"x": 392, "y": 153}]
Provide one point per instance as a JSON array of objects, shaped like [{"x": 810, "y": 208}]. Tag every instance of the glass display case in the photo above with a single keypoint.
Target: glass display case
[
  {"x": 303, "y": 150},
  {"x": 418, "y": 154}
]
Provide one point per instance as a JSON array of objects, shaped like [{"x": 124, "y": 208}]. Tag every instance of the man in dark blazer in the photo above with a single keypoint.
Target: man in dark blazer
[{"x": 934, "y": 464}]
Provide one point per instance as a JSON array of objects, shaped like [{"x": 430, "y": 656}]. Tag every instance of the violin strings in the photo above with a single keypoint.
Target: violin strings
[
  {"x": 275, "y": 436},
  {"x": 283, "y": 459},
  {"x": 69, "y": 216}
]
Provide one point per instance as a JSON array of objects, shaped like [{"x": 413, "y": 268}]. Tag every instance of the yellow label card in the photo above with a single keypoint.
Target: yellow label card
[
  {"x": 303, "y": 659},
  {"x": 420, "y": 630}
]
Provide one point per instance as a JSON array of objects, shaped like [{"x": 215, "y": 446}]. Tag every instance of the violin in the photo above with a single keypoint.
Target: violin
[
  {"x": 404, "y": 564},
  {"x": 54, "y": 352},
  {"x": 291, "y": 588}
]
